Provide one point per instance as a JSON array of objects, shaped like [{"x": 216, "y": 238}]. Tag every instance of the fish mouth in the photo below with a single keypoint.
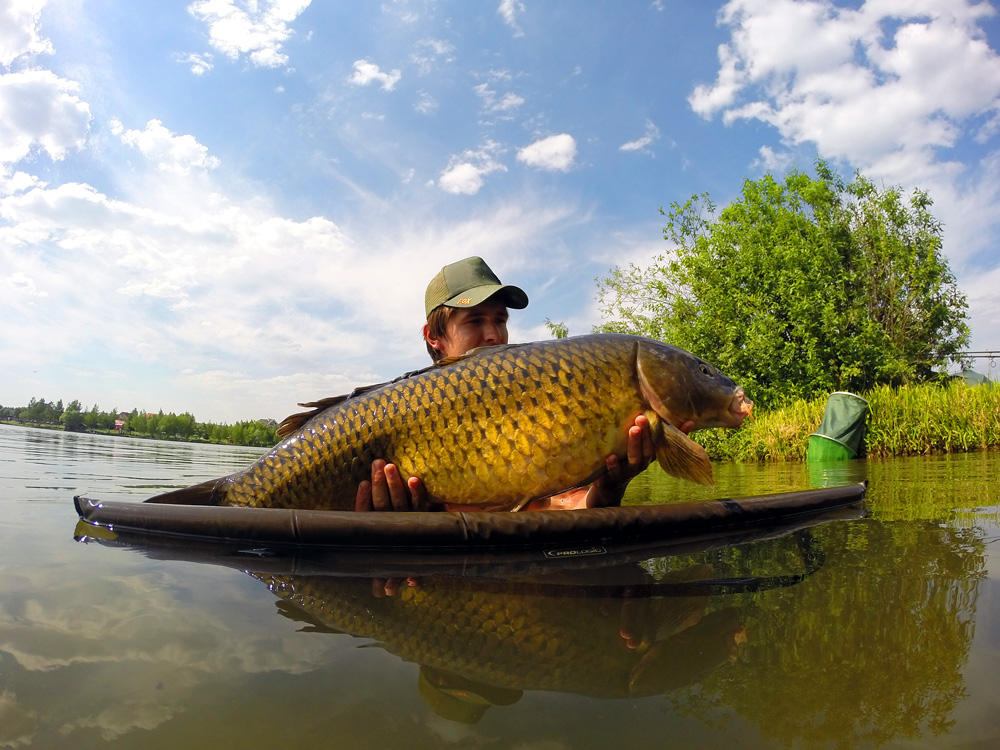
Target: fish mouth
[{"x": 739, "y": 409}]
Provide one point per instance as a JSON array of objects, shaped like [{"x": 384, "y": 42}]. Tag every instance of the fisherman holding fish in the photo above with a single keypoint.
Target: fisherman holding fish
[{"x": 467, "y": 307}]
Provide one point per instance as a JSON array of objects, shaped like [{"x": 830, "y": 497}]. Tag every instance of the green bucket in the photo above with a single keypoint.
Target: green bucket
[
  {"x": 841, "y": 434},
  {"x": 824, "y": 449}
]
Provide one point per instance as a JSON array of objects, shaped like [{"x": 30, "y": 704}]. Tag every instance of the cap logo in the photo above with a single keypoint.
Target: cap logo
[{"x": 465, "y": 300}]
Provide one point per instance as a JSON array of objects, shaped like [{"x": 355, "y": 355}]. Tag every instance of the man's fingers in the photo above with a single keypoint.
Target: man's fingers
[
  {"x": 418, "y": 494},
  {"x": 380, "y": 489},
  {"x": 363, "y": 500},
  {"x": 635, "y": 456},
  {"x": 399, "y": 495}
]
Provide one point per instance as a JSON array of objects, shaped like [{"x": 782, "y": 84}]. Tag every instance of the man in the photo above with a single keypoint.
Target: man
[{"x": 466, "y": 307}]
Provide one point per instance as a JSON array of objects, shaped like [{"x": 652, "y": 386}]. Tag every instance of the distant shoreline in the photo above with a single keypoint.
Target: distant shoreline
[{"x": 127, "y": 435}]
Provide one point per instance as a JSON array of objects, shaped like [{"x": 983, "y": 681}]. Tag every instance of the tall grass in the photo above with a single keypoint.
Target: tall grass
[{"x": 910, "y": 420}]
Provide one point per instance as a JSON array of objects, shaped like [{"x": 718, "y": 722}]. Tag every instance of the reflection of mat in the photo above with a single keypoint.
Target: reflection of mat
[{"x": 553, "y": 533}]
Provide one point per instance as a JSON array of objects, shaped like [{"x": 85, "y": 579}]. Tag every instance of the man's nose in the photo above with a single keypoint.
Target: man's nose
[{"x": 491, "y": 333}]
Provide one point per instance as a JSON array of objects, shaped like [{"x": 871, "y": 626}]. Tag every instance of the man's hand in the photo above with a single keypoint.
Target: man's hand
[{"x": 386, "y": 491}]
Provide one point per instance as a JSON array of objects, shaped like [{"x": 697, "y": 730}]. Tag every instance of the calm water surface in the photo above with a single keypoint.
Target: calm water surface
[{"x": 877, "y": 631}]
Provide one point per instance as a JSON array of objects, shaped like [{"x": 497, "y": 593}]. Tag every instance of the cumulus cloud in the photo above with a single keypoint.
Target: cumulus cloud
[
  {"x": 19, "y": 31},
  {"x": 639, "y": 144},
  {"x": 555, "y": 153},
  {"x": 367, "y": 72},
  {"x": 884, "y": 86},
  {"x": 171, "y": 153},
  {"x": 255, "y": 28},
  {"x": 16, "y": 182},
  {"x": 509, "y": 10},
  {"x": 772, "y": 161},
  {"x": 40, "y": 109},
  {"x": 464, "y": 174}
]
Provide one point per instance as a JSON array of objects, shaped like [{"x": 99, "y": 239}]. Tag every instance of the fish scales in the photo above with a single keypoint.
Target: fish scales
[{"x": 491, "y": 428}]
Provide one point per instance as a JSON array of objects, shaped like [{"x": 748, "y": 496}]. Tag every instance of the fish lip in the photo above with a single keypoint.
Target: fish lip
[{"x": 739, "y": 408}]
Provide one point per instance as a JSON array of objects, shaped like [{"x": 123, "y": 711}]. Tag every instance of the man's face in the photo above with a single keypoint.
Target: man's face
[{"x": 482, "y": 325}]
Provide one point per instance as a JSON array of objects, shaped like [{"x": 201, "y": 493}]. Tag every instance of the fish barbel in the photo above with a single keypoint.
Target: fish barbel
[{"x": 496, "y": 427}]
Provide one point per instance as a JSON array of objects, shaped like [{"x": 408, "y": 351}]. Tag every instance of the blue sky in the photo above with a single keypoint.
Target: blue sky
[{"x": 227, "y": 207}]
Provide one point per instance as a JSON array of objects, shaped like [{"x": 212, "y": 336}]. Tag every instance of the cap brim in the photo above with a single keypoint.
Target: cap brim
[{"x": 512, "y": 296}]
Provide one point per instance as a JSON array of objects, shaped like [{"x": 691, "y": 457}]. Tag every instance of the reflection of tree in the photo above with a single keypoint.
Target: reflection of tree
[
  {"x": 498, "y": 636},
  {"x": 868, "y": 649}
]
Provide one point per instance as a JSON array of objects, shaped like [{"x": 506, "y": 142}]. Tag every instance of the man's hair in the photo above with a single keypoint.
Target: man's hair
[{"x": 437, "y": 326}]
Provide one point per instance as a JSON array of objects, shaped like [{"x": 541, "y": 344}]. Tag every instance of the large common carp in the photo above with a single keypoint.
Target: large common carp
[{"x": 498, "y": 426}]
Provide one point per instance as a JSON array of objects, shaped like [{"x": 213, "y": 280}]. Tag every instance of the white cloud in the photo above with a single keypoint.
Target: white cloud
[
  {"x": 171, "y": 153},
  {"x": 200, "y": 64},
  {"x": 19, "y": 31},
  {"x": 493, "y": 104},
  {"x": 262, "y": 310},
  {"x": 258, "y": 29},
  {"x": 773, "y": 161},
  {"x": 465, "y": 172},
  {"x": 428, "y": 52},
  {"x": 425, "y": 104},
  {"x": 38, "y": 108},
  {"x": 367, "y": 72},
  {"x": 462, "y": 178},
  {"x": 509, "y": 10},
  {"x": 17, "y": 182},
  {"x": 555, "y": 153},
  {"x": 884, "y": 86},
  {"x": 652, "y": 134}
]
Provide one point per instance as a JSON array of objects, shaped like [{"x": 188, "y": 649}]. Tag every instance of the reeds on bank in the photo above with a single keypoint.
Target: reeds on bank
[{"x": 909, "y": 420}]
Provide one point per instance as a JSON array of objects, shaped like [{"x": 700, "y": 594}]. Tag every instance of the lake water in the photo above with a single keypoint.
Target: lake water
[{"x": 875, "y": 631}]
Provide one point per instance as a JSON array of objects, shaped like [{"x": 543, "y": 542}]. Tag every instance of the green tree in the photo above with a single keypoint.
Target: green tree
[
  {"x": 800, "y": 287},
  {"x": 558, "y": 330},
  {"x": 72, "y": 419}
]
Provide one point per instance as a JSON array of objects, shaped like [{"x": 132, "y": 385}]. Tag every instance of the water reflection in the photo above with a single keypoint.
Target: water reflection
[
  {"x": 482, "y": 643},
  {"x": 870, "y": 649}
]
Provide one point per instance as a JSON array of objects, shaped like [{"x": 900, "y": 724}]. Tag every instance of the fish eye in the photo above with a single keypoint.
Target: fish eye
[{"x": 705, "y": 370}]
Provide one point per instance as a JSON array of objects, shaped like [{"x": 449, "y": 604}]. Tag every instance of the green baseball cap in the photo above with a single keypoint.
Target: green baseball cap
[{"x": 468, "y": 282}]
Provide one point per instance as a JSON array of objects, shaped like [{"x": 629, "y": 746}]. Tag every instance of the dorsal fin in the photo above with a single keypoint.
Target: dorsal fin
[{"x": 295, "y": 422}]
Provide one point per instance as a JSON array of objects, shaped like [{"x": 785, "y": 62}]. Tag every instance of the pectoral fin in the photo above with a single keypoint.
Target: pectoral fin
[{"x": 677, "y": 454}]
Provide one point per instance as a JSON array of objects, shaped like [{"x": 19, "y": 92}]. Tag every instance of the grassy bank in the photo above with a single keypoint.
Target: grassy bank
[{"x": 910, "y": 420}]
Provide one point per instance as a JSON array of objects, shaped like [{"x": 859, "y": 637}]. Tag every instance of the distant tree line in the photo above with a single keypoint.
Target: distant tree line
[{"x": 74, "y": 418}]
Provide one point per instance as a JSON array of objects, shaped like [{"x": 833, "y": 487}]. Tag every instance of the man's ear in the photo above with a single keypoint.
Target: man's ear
[{"x": 436, "y": 343}]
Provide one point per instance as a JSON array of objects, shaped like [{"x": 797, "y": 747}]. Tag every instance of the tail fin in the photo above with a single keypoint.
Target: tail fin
[{"x": 211, "y": 492}]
